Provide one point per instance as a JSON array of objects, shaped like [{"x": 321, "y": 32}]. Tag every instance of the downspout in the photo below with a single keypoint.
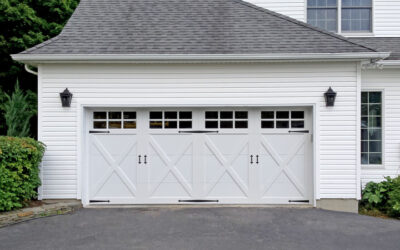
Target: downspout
[
  {"x": 40, "y": 188},
  {"x": 30, "y": 71}
]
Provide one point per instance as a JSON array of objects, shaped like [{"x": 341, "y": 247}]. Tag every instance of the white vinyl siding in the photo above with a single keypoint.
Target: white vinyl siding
[
  {"x": 385, "y": 14},
  {"x": 292, "y": 8},
  {"x": 202, "y": 84},
  {"x": 386, "y": 18},
  {"x": 387, "y": 81}
]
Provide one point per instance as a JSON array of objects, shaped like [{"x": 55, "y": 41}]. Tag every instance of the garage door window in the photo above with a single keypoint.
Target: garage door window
[
  {"x": 114, "y": 120},
  {"x": 170, "y": 120},
  {"x": 226, "y": 119},
  {"x": 282, "y": 119}
]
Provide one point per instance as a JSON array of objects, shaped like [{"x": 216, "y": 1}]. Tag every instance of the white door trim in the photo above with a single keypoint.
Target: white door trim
[{"x": 83, "y": 125}]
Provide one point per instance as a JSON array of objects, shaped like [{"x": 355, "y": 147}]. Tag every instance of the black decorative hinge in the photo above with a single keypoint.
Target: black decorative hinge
[
  {"x": 99, "y": 201},
  {"x": 302, "y": 201},
  {"x": 199, "y": 201},
  {"x": 299, "y": 131},
  {"x": 198, "y": 132}
]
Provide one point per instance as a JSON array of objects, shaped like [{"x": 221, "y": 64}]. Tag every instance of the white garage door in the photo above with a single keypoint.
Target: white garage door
[{"x": 213, "y": 155}]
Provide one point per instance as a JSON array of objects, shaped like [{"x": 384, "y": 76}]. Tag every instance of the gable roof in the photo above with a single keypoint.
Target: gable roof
[
  {"x": 382, "y": 44},
  {"x": 187, "y": 27}
]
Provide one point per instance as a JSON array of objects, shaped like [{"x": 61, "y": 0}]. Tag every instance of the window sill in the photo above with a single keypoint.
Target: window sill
[
  {"x": 355, "y": 34},
  {"x": 372, "y": 166}
]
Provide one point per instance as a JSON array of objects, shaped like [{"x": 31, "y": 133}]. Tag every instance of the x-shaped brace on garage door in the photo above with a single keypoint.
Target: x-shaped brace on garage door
[
  {"x": 171, "y": 164},
  {"x": 227, "y": 164},
  {"x": 282, "y": 164},
  {"x": 114, "y": 166}
]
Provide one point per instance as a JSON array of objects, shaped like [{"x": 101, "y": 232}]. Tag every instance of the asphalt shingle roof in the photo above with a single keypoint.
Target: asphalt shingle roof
[
  {"x": 187, "y": 27},
  {"x": 383, "y": 44}
]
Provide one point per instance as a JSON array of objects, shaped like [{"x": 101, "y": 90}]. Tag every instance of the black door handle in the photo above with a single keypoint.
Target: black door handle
[
  {"x": 145, "y": 159},
  {"x": 257, "y": 159},
  {"x": 251, "y": 159},
  {"x": 140, "y": 162}
]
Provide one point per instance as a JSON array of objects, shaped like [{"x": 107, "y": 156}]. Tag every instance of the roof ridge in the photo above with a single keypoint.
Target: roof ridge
[{"x": 295, "y": 21}]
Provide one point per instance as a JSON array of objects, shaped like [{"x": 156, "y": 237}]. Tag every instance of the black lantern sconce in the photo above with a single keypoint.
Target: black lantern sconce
[
  {"x": 330, "y": 97},
  {"x": 66, "y": 98}
]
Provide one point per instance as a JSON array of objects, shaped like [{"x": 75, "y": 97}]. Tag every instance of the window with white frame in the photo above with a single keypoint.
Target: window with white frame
[
  {"x": 323, "y": 14},
  {"x": 356, "y": 15},
  {"x": 371, "y": 128}
]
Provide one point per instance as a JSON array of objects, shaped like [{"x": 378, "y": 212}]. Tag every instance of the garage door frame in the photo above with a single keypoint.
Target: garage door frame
[{"x": 83, "y": 120}]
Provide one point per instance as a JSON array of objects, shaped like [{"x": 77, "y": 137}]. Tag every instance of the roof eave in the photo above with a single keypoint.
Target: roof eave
[
  {"x": 171, "y": 58},
  {"x": 390, "y": 63}
]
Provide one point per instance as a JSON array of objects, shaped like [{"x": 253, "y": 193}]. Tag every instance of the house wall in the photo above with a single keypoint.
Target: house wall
[
  {"x": 293, "y": 8},
  {"x": 386, "y": 13},
  {"x": 201, "y": 84},
  {"x": 386, "y": 18},
  {"x": 387, "y": 80}
]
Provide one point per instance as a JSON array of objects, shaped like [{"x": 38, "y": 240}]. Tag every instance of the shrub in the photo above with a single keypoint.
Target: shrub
[
  {"x": 383, "y": 196},
  {"x": 18, "y": 111},
  {"x": 19, "y": 171}
]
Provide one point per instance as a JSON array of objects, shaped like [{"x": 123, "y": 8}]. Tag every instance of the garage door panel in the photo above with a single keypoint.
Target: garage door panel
[
  {"x": 113, "y": 188},
  {"x": 227, "y": 165},
  {"x": 171, "y": 165},
  {"x": 284, "y": 166},
  {"x": 170, "y": 187},
  {"x": 113, "y": 167},
  {"x": 226, "y": 186},
  {"x": 282, "y": 186}
]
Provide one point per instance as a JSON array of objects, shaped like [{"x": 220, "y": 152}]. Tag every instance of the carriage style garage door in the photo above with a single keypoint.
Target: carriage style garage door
[{"x": 212, "y": 155}]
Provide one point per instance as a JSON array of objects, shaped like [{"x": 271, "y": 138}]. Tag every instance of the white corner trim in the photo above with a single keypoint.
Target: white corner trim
[
  {"x": 358, "y": 135},
  {"x": 156, "y": 58}
]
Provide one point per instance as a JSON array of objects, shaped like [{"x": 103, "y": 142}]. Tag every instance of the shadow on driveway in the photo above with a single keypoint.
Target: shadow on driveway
[{"x": 203, "y": 228}]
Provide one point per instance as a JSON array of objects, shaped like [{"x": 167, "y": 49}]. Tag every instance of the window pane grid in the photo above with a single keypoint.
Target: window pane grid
[
  {"x": 170, "y": 120},
  {"x": 114, "y": 120},
  {"x": 226, "y": 119},
  {"x": 356, "y": 15},
  {"x": 371, "y": 128},
  {"x": 323, "y": 14},
  {"x": 282, "y": 119}
]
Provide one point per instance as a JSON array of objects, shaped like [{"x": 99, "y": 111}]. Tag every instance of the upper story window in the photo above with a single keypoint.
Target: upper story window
[
  {"x": 355, "y": 15},
  {"x": 323, "y": 14}
]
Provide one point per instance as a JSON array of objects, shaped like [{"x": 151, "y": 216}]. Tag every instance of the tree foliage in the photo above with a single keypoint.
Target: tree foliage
[
  {"x": 18, "y": 111},
  {"x": 24, "y": 24}
]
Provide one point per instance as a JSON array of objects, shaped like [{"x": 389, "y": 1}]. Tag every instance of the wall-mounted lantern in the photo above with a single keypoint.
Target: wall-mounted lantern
[
  {"x": 330, "y": 97},
  {"x": 66, "y": 98}
]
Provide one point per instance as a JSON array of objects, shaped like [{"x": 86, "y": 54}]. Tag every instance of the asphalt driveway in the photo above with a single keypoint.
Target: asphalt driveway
[{"x": 203, "y": 228}]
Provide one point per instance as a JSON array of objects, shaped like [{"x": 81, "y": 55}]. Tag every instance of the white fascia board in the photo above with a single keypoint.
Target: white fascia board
[{"x": 172, "y": 58}]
